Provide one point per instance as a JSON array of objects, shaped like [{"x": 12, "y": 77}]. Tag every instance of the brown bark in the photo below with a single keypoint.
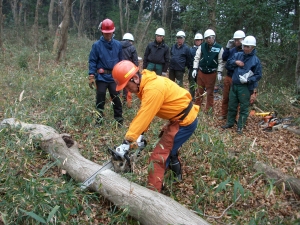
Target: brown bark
[
  {"x": 50, "y": 19},
  {"x": 35, "y": 25},
  {"x": 164, "y": 8},
  {"x": 82, "y": 18},
  {"x": 121, "y": 17},
  {"x": 212, "y": 14},
  {"x": 145, "y": 205},
  {"x": 139, "y": 18},
  {"x": 290, "y": 183},
  {"x": 14, "y": 9},
  {"x": 147, "y": 26},
  {"x": 64, "y": 30}
]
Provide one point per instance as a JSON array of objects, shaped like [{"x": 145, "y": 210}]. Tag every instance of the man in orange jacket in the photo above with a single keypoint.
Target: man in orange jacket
[{"x": 163, "y": 98}]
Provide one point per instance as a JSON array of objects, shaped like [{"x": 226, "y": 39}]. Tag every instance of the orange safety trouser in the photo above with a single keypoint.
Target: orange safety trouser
[
  {"x": 207, "y": 82},
  {"x": 227, "y": 83},
  {"x": 159, "y": 156}
]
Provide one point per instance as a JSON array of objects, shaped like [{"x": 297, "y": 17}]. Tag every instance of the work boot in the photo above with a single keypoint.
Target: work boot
[
  {"x": 226, "y": 126},
  {"x": 176, "y": 168},
  {"x": 239, "y": 130}
]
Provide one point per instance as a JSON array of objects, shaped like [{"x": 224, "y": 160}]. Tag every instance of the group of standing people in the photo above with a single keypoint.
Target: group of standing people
[{"x": 113, "y": 65}]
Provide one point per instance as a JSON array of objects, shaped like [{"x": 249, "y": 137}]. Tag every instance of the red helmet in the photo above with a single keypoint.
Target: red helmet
[
  {"x": 122, "y": 72},
  {"x": 107, "y": 26}
]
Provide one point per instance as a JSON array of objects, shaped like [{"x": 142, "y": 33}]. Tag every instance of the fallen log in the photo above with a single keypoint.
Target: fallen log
[
  {"x": 290, "y": 183},
  {"x": 145, "y": 205}
]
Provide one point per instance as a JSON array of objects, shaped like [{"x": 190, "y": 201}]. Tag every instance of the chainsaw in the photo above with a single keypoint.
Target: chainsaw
[{"x": 122, "y": 161}]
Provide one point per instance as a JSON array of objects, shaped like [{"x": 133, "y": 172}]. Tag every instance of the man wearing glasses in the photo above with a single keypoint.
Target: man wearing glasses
[{"x": 207, "y": 63}]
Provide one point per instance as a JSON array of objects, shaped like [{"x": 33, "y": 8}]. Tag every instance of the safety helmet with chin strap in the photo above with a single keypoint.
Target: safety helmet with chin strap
[
  {"x": 122, "y": 73},
  {"x": 160, "y": 31}
]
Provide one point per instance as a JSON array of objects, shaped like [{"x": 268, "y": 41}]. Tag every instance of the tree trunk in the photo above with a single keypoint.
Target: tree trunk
[
  {"x": 290, "y": 183},
  {"x": 50, "y": 19},
  {"x": 140, "y": 45},
  {"x": 1, "y": 24},
  {"x": 121, "y": 17},
  {"x": 145, "y": 205},
  {"x": 64, "y": 30},
  {"x": 127, "y": 16},
  {"x": 138, "y": 19},
  {"x": 164, "y": 8},
  {"x": 36, "y": 25},
  {"x": 14, "y": 9},
  {"x": 73, "y": 17},
  {"x": 212, "y": 14},
  {"x": 297, "y": 72},
  {"x": 82, "y": 18}
]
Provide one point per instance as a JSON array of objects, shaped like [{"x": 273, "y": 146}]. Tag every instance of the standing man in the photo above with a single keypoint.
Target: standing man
[
  {"x": 163, "y": 98},
  {"x": 207, "y": 63},
  {"x": 129, "y": 53},
  {"x": 157, "y": 56},
  {"x": 105, "y": 53},
  {"x": 198, "y": 39},
  {"x": 180, "y": 58},
  {"x": 247, "y": 71},
  {"x": 233, "y": 46}
]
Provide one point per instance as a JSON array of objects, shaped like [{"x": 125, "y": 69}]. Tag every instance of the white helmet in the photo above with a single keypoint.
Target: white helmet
[
  {"x": 128, "y": 36},
  {"x": 239, "y": 34},
  {"x": 180, "y": 34},
  {"x": 198, "y": 36},
  {"x": 209, "y": 32},
  {"x": 160, "y": 31},
  {"x": 249, "y": 40}
]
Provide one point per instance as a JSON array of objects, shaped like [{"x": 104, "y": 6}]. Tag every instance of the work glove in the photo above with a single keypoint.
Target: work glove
[
  {"x": 243, "y": 80},
  {"x": 123, "y": 149},
  {"x": 92, "y": 81},
  {"x": 230, "y": 44},
  {"x": 194, "y": 73},
  {"x": 164, "y": 74},
  {"x": 219, "y": 76},
  {"x": 248, "y": 74}
]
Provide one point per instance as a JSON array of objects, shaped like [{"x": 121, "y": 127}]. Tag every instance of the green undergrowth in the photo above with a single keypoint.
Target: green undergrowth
[{"x": 36, "y": 89}]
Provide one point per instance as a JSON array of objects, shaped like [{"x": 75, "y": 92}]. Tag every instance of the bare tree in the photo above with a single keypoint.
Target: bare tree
[
  {"x": 50, "y": 19},
  {"x": 64, "y": 30}
]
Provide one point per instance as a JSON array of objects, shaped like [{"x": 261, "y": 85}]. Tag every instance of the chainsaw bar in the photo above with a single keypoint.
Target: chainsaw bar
[{"x": 91, "y": 179}]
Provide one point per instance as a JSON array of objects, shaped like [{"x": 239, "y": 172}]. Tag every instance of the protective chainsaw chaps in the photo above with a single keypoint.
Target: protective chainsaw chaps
[{"x": 160, "y": 155}]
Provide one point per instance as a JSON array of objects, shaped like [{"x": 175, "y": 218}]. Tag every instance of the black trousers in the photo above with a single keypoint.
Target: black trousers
[{"x": 115, "y": 97}]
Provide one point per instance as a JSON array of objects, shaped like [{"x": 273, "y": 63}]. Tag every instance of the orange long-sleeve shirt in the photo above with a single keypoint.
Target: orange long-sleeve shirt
[{"x": 159, "y": 97}]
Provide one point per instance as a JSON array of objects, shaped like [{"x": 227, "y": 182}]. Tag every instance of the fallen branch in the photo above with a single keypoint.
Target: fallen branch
[
  {"x": 290, "y": 183},
  {"x": 145, "y": 205}
]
